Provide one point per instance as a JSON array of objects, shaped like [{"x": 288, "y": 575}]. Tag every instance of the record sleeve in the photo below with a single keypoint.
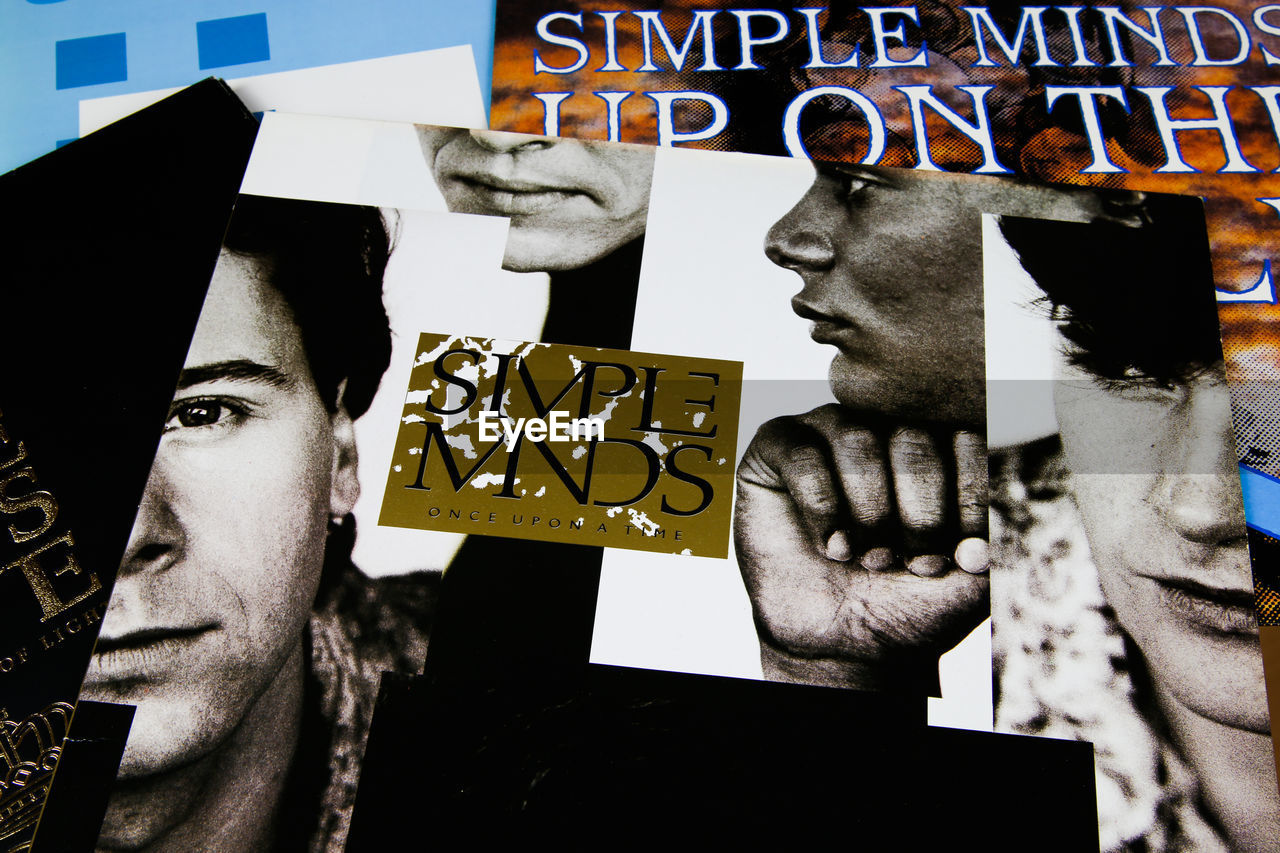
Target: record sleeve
[
  {"x": 239, "y": 628},
  {"x": 393, "y": 274},
  {"x": 1145, "y": 97},
  {"x": 525, "y": 717},
  {"x": 105, "y": 267}
]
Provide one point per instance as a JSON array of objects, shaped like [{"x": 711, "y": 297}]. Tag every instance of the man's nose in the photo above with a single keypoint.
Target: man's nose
[
  {"x": 799, "y": 241},
  {"x": 1206, "y": 508},
  {"x": 501, "y": 142},
  {"x": 1201, "y": 492},
  {"x": 157, "y": 536}
]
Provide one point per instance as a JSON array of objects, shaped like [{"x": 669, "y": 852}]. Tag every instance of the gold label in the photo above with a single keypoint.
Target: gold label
[{"x": 567, "y": 444}]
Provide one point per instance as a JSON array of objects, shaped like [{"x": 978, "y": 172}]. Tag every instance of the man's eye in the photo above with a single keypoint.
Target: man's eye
[
  {"x": 190, "y": 414},
  {"x": 1121, "y": 377},
  {"x": 1137, "y": 374},
  {"x": 849, "y": 182},
  {"x": 1134, "y": 381},
  {"x": 853, "y": 186}
]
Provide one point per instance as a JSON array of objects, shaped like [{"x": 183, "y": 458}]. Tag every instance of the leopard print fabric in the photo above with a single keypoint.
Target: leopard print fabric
[{"x": 1063, "y": 663}]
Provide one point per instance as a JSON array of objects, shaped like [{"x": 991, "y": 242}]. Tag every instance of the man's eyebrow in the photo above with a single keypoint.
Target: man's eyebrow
[{"x": 234, "y": 370}]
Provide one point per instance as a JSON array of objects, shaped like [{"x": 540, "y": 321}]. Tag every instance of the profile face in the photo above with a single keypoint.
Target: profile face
[
  {"x": 1154, "y": 475},
  {"x": 570, "y": 202},
  {"x": 891, "y": 262},
  {"x": 223, "y": 563}
]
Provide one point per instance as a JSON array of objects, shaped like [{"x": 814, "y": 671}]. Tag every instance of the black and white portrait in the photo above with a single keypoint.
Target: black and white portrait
[
  {"x": 1123, "y": 604},
  {"x": 886, "y": 505},
  {"x": 1121, "y": 596},
  {"x": 238, "y": 626}
]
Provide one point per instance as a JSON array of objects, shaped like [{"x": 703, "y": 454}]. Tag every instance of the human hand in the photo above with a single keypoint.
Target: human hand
[{"x": 863, "y": 549}]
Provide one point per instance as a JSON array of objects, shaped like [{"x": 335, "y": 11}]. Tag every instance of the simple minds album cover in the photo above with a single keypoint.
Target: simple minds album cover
[
  {"x": 669, "y": 488},
  {"x": 1146, "y": 97},
  {"x": 854, "y": 487}
]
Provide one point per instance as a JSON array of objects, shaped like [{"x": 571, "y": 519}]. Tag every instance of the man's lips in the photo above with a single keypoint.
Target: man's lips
[
  {"x": 832, "y": 333},
  {"x": 143, "y": 654},
  {"x": 515, "y": 185},
  {"x": 1227, "y": 611},
  {"x": 827, "y": 328},
  {"x": 513, "y": 196}
]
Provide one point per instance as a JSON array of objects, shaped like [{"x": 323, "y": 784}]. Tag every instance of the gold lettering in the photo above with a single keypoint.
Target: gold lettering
[
  {"x": 40, "y": 500},
  {"x": 50, "y": 602},
  {"x": 22, "y": 452}
]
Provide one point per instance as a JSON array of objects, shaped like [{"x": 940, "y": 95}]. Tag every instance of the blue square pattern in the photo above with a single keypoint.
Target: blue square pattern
[
  {"x": 233, "y": 41},
  {"x": 89, "y": 61}
]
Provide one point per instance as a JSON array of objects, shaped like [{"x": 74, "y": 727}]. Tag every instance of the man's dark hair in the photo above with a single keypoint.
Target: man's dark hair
[
  {"x": 327, "y": 261},
  {"x": 1134, "y": 294}
]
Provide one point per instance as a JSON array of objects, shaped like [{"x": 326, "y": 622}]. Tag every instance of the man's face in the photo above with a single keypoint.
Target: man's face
[
  {"x": 223, "y": 562},
  {"x": 1154, "y": 476},
  {"x": 570, "y": 202},
  {"x": 892, "y": 267}
]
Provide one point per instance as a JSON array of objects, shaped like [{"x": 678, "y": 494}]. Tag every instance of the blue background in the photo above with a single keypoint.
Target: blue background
[{"x": 53, "y": 53}]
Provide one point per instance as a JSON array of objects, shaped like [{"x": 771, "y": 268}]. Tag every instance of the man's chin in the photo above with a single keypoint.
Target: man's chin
[
  {"x": 877, "y": 401},
  {"x": 556, "y": 247},
  {"x": 162, "y": 740},
  {"x": 957, "y": 405},
  {"x": 1220, "y": 679}
]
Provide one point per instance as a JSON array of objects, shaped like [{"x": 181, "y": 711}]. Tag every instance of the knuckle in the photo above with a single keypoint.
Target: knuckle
[
  {"x": 859, "y": 446},
  {"x": 775, "y": 428},
  {"x": 970, "y": 444},
  {"x": 826, "y": 417},
  {"x": 913, "y": 447},
  {"x": 815, "y": 495},
  {"x": 805, "y": 459},
  {"x": 755, "y": 470}
]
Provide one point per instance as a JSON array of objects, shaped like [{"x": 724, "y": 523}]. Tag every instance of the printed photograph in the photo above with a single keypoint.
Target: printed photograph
[{"x": 967, "y": 403}]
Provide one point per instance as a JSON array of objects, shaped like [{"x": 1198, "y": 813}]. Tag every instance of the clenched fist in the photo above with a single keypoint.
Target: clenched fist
[{"x": 862, "y": 548}]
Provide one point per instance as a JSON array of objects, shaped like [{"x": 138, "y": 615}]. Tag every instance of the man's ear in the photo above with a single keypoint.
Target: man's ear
[{"x": 344, "y": 486}]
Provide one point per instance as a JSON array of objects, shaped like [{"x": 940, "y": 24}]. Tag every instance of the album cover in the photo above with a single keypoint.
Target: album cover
[
  {"x": 374, "y": 300},
  {"x": 621, "y": 683},
  {"x": 106, "y": 259},
  {"x": 1153, "y": 97},
  {"x": 102, "y": 727},
  {"x": 239, "y": 629}
]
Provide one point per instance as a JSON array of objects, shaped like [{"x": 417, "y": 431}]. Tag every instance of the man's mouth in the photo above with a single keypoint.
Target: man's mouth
[
  {"x": 827, "y": 332},
  {"x": 827, "y": 328},
  {"x": 511, "y": 197},
  {"x": 143, "y": 654},
  {"x": 1226, "y": 611}
]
